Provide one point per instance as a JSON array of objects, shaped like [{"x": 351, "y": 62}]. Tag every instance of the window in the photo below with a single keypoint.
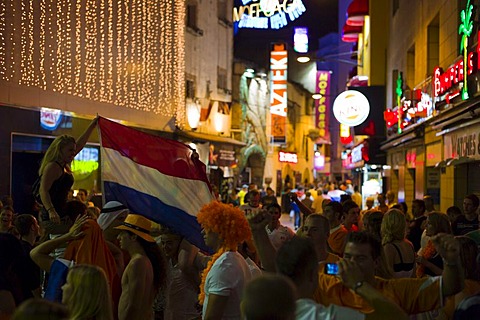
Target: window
[
  {"x": 192, "y": 16},
  {"x": 222, "y": 10},
  {"x": 190, "y": 88},
  {"x": 395, "y": 6},
  {"x": 410, "y": 76},
  {"x": 222, "y": 81},
  {"x": 433, "y": 44}
]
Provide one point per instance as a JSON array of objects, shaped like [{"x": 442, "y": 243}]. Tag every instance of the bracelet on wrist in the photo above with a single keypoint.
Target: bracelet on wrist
[{"x": 50, "y": 209}]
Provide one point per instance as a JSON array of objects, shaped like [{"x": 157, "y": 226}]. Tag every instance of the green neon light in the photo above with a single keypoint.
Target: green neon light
[
  {"x": 465, "y": 30},
  {"x": 399, "y": 92},
  {"x": 83, "y": 167}
]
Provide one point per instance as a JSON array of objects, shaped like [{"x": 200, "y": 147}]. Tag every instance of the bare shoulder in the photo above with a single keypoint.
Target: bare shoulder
[
  {"x": 138, "y": 264},
  {"x": 52, "y": 169}
]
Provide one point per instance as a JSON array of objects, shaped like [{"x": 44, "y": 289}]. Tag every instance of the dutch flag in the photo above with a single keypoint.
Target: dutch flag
[{"x": 161, "y": 179}]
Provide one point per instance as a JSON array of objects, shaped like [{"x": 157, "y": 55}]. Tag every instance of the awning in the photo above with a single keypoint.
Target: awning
[
  {"x": 356, "y": 12},
  {"x": 197, "y": 136},
  {"x": 350, "y": 33}
]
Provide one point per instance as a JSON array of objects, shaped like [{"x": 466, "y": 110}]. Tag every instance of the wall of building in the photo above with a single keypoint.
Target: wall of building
[
  {"x": 408, "y": 52},
  {"x": 123, "y": 63},
  {"x": 208, "y": 48},
  {"x": 408, "y": 29}
]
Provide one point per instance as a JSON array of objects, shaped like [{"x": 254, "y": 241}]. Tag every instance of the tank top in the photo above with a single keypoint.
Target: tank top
[
  {"x": 402, "y": 269},
  {"x": 59, "y": 191}
]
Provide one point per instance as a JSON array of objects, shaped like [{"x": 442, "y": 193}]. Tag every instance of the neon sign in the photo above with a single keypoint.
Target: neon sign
[
  {"x": 85, "y": 162},
  {"x": 321, "y": 105},
  {"x": 278, "y": 96},
  {"x": 444, "y": 81},
  {"x": 287, "y": 157},
  {"x": 50, "y": 118},
  {"x": 465, "y": 30},
  {"x": 300, "y": 40},
  {"x": 265, "y": 14}
]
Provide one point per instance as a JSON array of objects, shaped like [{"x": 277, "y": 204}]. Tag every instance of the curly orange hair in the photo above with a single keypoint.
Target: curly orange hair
[{"x": 230, "y": 224}]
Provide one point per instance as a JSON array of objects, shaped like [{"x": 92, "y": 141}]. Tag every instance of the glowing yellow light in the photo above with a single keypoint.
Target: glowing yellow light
[{"x": 126, "y": 53}]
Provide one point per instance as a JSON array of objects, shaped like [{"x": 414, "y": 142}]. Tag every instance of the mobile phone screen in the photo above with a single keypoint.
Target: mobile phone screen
[{"x": 331, "y": 268}]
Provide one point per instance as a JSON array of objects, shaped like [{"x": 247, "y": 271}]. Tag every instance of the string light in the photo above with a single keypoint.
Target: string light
[
  {"x": 126, "y": 53},
  {"x": 3, "y": 42}
]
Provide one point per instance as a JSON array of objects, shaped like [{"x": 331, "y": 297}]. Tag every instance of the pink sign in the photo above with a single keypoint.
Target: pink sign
[{"x": 322, "y": 105}]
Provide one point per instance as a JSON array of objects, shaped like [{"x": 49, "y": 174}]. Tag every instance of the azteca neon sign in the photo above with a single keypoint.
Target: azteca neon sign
[{"x": 265, "y": 14}]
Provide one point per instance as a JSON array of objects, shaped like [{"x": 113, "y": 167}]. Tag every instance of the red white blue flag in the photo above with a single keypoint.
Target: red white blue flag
[{"x": 161, "y": 179}]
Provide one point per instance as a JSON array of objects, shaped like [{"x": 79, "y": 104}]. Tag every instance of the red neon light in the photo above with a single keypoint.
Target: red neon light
[{"x": 444, "y": 81}]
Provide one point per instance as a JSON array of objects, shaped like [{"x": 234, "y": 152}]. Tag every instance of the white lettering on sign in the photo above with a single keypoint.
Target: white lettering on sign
[
  {"x": 278, "y": 65},
  {"x": 357, "y": 153},
  {"x": 262, "y": 14},
  {"x": 287, "y": 157},
  {"x": 465, "y": 145},
  {"x": 462, "y": 143}
]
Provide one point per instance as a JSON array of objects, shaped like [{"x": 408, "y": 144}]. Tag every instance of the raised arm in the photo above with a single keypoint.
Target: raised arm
[
  {"x": 82, "y": 140},
  {"x": 265, "y": 249},
  {"x": 41, "y": 253},
  {"x": 453, "y": 276},
  {"x": 303, "y": 208}
]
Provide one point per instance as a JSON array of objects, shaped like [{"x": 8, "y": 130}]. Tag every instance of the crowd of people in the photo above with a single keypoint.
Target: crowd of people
[{"x": 344, "y": 259}]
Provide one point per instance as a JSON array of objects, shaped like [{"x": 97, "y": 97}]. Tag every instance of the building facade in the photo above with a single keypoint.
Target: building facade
[{"x": 432, "y": 100}]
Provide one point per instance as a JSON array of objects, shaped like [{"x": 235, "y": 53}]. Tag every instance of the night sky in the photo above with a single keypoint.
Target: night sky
[{"x": 254, "y": 44}]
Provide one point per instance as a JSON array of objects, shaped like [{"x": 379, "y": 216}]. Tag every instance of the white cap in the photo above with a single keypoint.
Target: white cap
[{"x": 110, "y": 211}]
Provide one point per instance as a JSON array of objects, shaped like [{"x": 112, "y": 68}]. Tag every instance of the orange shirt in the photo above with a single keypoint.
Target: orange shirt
[
  {"x": 412, "y": 295},
  {"x": 471, "y": 287},
  {"x": 336, "y": 240},
  {"x": 331, "y": 258}
]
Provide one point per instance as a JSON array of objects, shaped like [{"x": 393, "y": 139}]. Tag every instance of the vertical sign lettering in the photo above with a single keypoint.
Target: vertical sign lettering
[
  {"x": 278, "y": 101},
  {"x": 322, "y": 104}
]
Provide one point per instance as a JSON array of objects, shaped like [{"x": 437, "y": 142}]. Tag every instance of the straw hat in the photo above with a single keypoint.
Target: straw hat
[{"x": 139, "y": 225}]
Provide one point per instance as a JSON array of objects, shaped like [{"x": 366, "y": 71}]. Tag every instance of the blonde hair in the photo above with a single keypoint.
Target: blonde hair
[
  {"x": 393, "y": 226},
  {"x": 54, "y": 151},
  {"x": 90, "y": 296}
]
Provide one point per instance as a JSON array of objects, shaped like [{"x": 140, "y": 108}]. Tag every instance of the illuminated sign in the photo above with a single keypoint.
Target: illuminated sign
[
  {"x": 86, "y": 161},
  {"x": 443, "y": 82},
  {"x": 265, "y": 14},
  {"x": 300, "y": 40},
  {"x": 357, "y": 153},
  {"x": 345, "y": 134},
  {"x": 287, "y": 157},
  {"x": 278, "y": 96},
  {"x": 351, "y": 108},
  {"x": 50, "y": 118},
  {"x": 318, "y": 161},
  {"x": 322, "y": 104}
]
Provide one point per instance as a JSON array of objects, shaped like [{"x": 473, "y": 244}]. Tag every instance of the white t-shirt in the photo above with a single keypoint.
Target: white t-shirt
[
  {"x": 182, "y": 296},
  {"x": 228, "y": 277},
  {"x": 307, "y": 309}
]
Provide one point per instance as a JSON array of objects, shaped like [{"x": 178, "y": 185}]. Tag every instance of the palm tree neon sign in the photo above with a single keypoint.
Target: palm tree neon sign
[{"x": 465, "y": 29}]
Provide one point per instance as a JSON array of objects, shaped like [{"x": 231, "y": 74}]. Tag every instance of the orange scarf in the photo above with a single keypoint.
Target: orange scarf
[
  {"x": 92, "y": 249},
  {"x": 428, "y": 253}
]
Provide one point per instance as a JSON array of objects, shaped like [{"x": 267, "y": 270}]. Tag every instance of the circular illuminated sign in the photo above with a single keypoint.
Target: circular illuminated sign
[{"x": 351, "y": 108}]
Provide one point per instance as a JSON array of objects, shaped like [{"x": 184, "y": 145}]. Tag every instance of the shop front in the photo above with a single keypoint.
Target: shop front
[
  {"x": 366, "y": 167},
  {"x": 461, "y": 165}
]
